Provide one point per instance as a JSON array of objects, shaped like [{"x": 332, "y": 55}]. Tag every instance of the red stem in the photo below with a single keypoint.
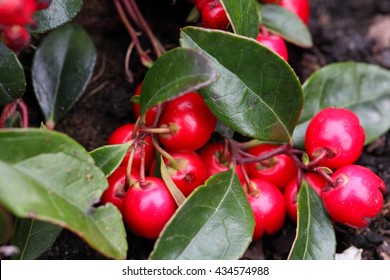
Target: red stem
[{"x": 8, "y": 110}]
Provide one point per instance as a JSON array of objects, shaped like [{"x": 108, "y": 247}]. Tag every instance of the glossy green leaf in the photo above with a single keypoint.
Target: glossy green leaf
[
  {"x": 176, "y": 72},
  {"x": 33, "y": 238},
  {"x": 257, "y": 93},
  {"x": 58, "y": 13},
  {"x": 108, "y": 158},
  {"x": 288, "y": 25},
  {"x": 243, "y": 17},
  {"x": 360, "y": 87},
  {"x": 52, "y": 178},
  {"x": 6, "y": 226},
  {"x": 12, "y": 79},
  {"x": 215, "y": 222},
  {"x": 315, "y": 238},
  {"x": 62, "y": 67}
]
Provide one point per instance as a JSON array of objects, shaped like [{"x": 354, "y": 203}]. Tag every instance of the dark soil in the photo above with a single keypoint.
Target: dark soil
[{"x": 355, "y": 30}]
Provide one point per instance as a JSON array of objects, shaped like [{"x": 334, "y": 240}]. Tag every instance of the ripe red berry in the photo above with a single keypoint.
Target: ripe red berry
[
  {"x": 214, "y": 16},
  {"x": 200, "y": 4},
  {"x": 147, "y": 210},
  {"x": 274, "y": 43},
  {"x": 43, "y": 4},
  {"x": 290, "y": 193},
  {"x": 150, "y": 114},
  {"x": 356, "y": 198},
  {"x": 117, "y": 187},
  {"x": 190, "y": 172},
  {"x": 338, "y": 132},
  {"x": 15, "y": 37},
  {"x": 299, "y": 7},
  {"x": 122, "y": 135},
  {"x": 215, "y": 161},
  {"x": 190, "y": 121},
  {"x": 268, "y": 208},
  {"x": 16, "y": 12},
  {"x": 278, "y": 170}
]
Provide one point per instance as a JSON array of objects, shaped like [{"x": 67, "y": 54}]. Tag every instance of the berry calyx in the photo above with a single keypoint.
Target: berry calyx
[
  {"x": 338, "y": 133},
  {"x": 274, "y": 43},
  {"x": 214, "y": 16},
  {"x": 356, "y": 197}
]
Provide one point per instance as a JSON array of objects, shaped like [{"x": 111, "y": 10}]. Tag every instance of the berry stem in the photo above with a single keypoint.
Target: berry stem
[
  {"x": 164, "y": 153},
  {"x": 132, "y": 148},
  {"x": 24, "y": 112},
  {"x": 312, "y": 164},
  {"x": 330, "y": 182},
  {"x": 250, "y": 144},
  {"x": 142, "y": 167},
  {"x": 156, "y": 130},
  {"x": 8, "y": 110},
  {"x": 283, "y": 149}
]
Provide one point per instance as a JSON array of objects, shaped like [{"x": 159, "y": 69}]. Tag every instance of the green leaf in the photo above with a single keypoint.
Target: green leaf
[
  {"x": 108, "y": 158},
  {"x": 257, "y": 93},
  {"x": 177, "y": 71},
  {"x": 62, "y": 67},
  {"x": 360, "y": 87},
  {"x": 6, "y": 226},
  {"x": 243, "y": 16},
  {"x": 286, "y": 24},
  {"x": 215, "y": 222},
  {"x": 58, "y": 13},
  {"x": 177, "y": 195},
  {"x": 33, "y": 238},
  {"x": 315, "y": 238},
  {"x": 52, "y": 178},
  {"x": 12, "y": 79}
]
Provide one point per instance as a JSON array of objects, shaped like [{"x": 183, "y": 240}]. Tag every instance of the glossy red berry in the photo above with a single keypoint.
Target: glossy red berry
[
  {"x": 147, "y": 210},
  {"x": 215, "y": 161},
  {"x": 356, "y": 198},
  {"x": 274, "y": 43},
  {"x": 290, "y": 193},
  {"x": 190, "y": 121},
  {"x": 299, "y": 7},
  {"x": 124, "y": 134},
  {"x": 278, "y": 170},
  {"x": 150, "y": 114},
  {"x": 201, "y": 3},
  {"x": 43, "y": 4},
  {"x": 268, "y": 208},
  {"x": 15, "y": 37},
  {"x": 338, "y": 132},
  {"x": 214, "y": 16},
  {"x": 16, "y": 12},
  {"x": 190, "y": 172},
  {"x": 117, "y": 187}
]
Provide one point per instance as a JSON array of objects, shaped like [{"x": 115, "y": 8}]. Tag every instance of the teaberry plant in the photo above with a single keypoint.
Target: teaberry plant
[{"x": 227, "y": 140}]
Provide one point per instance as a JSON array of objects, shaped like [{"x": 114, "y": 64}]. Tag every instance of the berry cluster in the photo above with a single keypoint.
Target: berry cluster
[
  {"x": 15, "y": 17},
  {"x": 270, "y": 175}
]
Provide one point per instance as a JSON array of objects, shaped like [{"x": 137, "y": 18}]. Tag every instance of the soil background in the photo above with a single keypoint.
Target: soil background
[{"x": 357, "y": 30}]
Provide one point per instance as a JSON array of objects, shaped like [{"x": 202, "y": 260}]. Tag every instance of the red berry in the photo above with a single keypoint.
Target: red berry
[
  {"x": 274, "y": 43},
  {"x": 15, "y": 37},
  {"x": 299, "y": 7},
  {"x": 215, "y": 161},
  {"x": 214, "y": 16},
  {"x": 16, "y": 12},
  {"x": 150, "y": 114},
  {"x": 338, "y": 132},
  {"x": 278, "y": 170},
  {"x": 268, "y": 208},
  {"x": 43, "y": 4},
  {"x": 191, "y": 172},
  {"x": 200, "y": 4},
  {"x": 115, "y": 193},
  {"x": 356, "y": 198},
  {"x": 290, "y": 193},
  {"x": 124, "y": 134},
  {"x": 147, "y": 210},
  {"x": 190, "y": 121}
]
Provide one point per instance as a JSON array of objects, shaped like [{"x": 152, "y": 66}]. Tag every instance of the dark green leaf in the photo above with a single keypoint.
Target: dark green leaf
[
  {"x": 12, "y": 79},
  {"x": 6, "y": 226},
  {"x": 108, "y": 158},
  {"x": 62, "y": 67},
  {"x": 315, "y": 238},
  {"x": 52, "y": 178},
  {"x": 288, "y": 25},
  {"x": 58, "y": 13},
  {"x": 243, "y": 16},
  {"x": 177, "y": 71},
  {"x": 216, "y": 222},
  {"x": 257, "y": 93},
  {"x": 362, "y": 88},
  {"x": 33, "y": 238}
]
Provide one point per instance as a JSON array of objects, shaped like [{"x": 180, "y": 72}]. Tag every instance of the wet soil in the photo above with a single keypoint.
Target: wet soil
[{"x": 355, "y": 30}]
